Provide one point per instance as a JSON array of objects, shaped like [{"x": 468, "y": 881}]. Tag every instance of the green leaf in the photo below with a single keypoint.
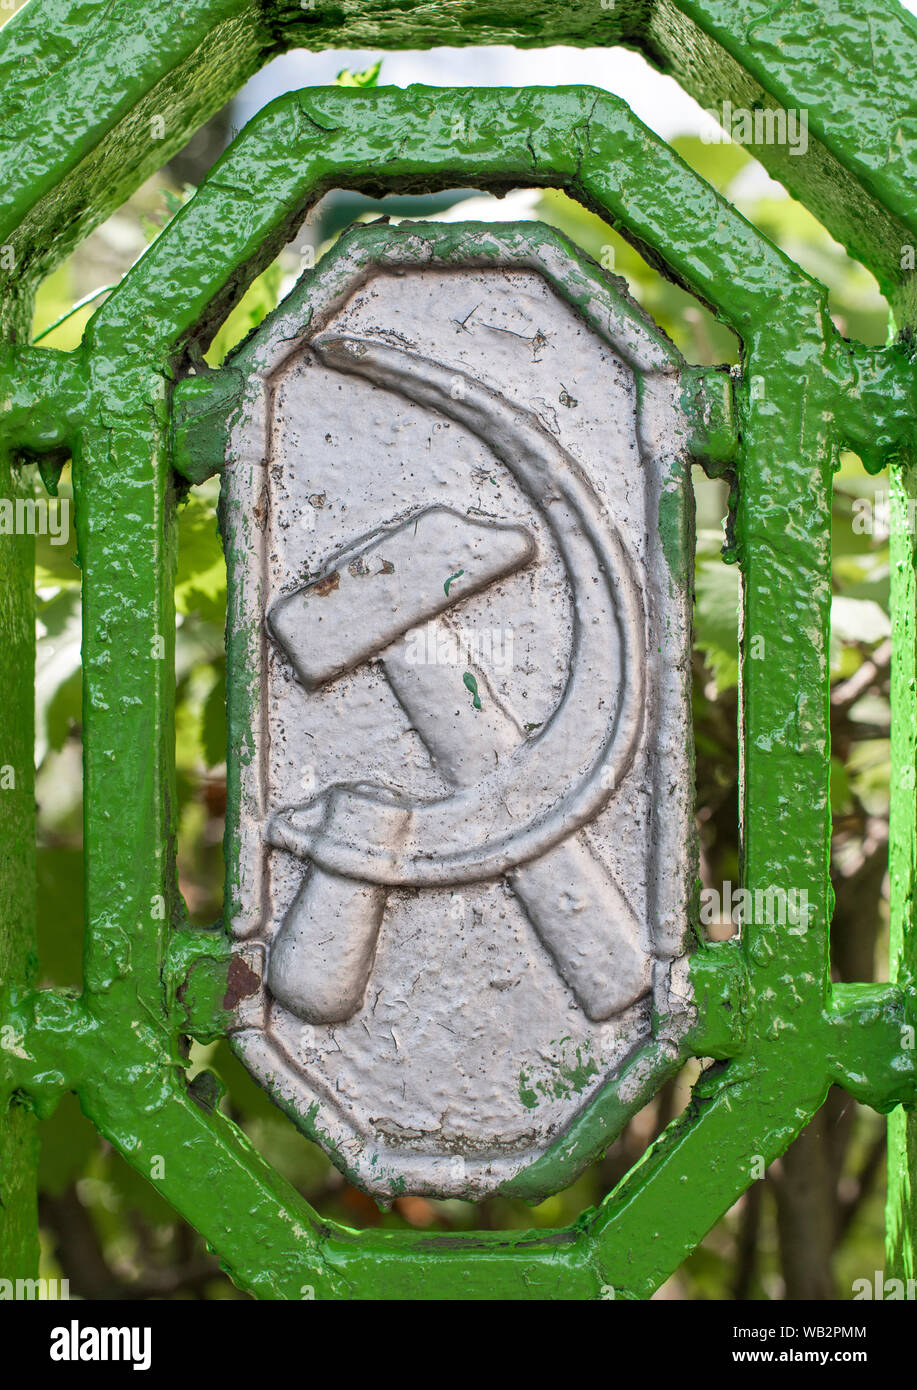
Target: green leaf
[
  {"x": 57, "y": 665},
  {"x": 213, "y": 737},
  {"x": 719, "y": 164},
  {"x": 67, "y": 1143},
  {"x": 136, "y": 1193},
  {"x": 716, "y": 620},
  {"x": 840, "y": 788},
  {"x": 369, "y": 77},
  {"x": 200, "y": 586},
  {"x": 858, "y": 620},
  {"x": 869, "y": 770},
  {"x": 258, "y": 301},
  {"x": 64, "y": 710},
  {"x": 59, "y": 881}
]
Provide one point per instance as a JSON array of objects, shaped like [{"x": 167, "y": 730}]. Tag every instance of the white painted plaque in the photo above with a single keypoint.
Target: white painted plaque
[{"x": 458, "y": 517}]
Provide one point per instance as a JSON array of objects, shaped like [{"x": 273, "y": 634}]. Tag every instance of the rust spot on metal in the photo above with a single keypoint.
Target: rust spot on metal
[
  {"x": 241, "y": 981},
  {"x": 327, "y": 585}
]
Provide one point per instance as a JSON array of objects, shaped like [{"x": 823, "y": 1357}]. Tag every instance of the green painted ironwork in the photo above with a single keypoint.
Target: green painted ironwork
[{"x": 125, "y": 407}]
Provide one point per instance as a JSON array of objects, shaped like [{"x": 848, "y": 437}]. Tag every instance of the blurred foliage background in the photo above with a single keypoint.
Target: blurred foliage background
[{"x": 814, "y": 1223}]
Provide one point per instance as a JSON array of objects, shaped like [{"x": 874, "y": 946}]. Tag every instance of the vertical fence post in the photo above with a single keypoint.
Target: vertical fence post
[
  {"x": 18, "y": 1136},
  {"x": 901, "y": 1212}
]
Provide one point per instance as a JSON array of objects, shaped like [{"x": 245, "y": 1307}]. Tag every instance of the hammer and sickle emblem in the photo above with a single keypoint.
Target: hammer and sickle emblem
[{"x": 519, "y": 815}]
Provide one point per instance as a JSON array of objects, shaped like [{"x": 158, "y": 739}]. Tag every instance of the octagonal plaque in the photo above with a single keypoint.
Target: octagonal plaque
[{"x": 457, "y": 514}]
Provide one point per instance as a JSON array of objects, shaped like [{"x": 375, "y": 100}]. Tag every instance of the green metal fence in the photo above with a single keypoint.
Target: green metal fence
[{"x": 122, "y": 87}]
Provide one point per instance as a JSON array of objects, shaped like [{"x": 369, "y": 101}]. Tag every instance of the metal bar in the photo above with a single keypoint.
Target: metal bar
[
  {"x": 847, "y": 67},
  {"x": 18, "y": 1137},
  {"x": 901, "y": 1206}
]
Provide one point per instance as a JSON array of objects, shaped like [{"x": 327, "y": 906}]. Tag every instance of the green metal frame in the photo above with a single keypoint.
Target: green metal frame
[{"x": 768, "y": 1012}]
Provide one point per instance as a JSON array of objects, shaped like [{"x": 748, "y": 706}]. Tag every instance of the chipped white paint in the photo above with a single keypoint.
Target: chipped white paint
[{"x": 444, "y": 493}]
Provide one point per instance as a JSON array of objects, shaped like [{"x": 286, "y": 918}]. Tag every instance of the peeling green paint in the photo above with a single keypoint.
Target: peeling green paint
[
  {"x": 560, "y": 1075},
  {"x": 527, "y": 1096},
  {"x": 671, "y": 521}
]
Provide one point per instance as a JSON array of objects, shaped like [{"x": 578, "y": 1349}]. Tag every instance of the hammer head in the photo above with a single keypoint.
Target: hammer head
[{"x": 396, "y": 580}]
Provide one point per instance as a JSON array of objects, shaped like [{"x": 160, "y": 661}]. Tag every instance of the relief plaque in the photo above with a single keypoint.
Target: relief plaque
[{"x": 458, "y": 521}]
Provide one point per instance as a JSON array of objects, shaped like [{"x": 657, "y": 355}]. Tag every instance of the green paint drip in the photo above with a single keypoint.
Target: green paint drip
[
  {"x": 472, "y": 685},
  {"x": 448, "y": 584}
]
